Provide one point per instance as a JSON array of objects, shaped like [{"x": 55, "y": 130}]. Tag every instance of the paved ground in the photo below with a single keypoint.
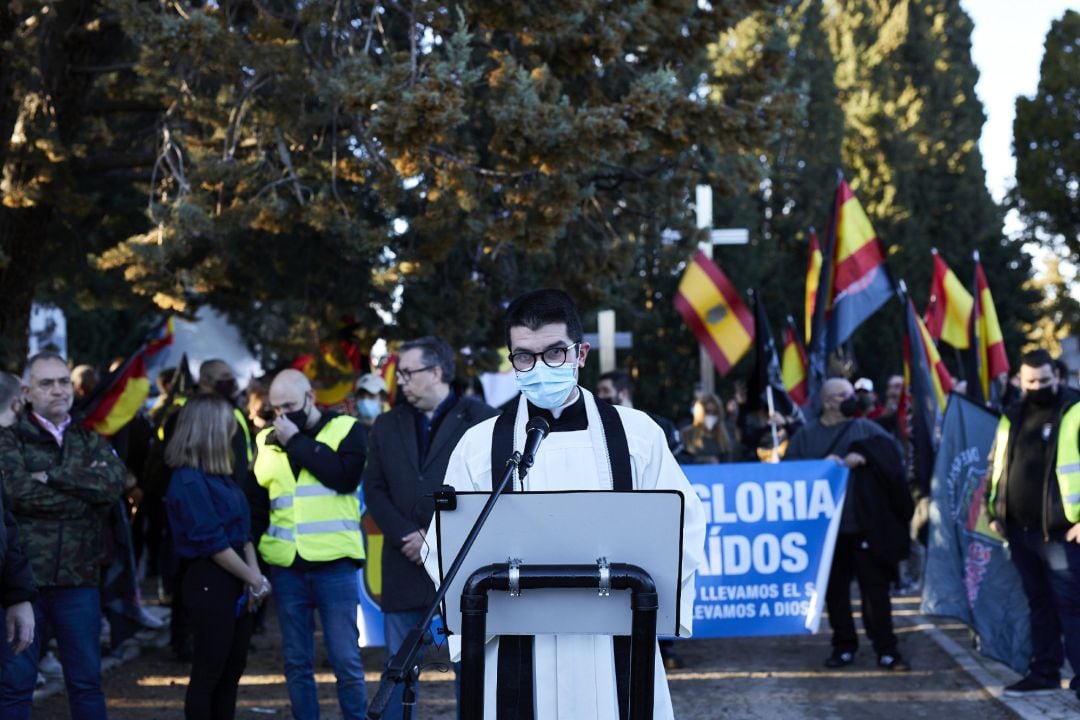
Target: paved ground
[{"x": 724, "y": 679}]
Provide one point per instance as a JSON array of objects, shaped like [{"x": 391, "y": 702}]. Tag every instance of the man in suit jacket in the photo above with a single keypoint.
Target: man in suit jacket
[{"x": 408, "y": 451}]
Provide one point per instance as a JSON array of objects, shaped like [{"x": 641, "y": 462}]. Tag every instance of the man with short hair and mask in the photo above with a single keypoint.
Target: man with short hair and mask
[
  {"x": 407, "y": 456},
  {"x": 307, "y": 519},
  {"x": 573, "y": 676},
  {"x": 869, "y": 507},
  {"x": 1033, "y": 500}
]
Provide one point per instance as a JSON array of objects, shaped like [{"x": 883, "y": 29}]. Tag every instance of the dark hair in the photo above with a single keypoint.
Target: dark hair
[
  {"x": 435, "y": 351},
  {"x": 1037, "y": 358},
  {"x": 535, "y": 309},
  {"x": 619, "y": 380},
  {"x": 10, "y": 386},
  {"x": 1061, "y": 370},
  {"x": 41, "y": 357}
]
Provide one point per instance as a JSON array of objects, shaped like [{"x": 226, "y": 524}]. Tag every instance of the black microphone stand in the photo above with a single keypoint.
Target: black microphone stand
[{"x": 402, "y": 668}]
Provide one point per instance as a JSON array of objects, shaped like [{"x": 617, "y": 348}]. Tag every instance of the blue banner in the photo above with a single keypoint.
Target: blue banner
[
  {"x": 769, "y": 545},
  {"x": 968, "y": 571}
]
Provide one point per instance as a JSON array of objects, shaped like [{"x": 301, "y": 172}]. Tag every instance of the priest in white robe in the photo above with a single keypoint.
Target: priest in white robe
[{"x": 573, "y": 675}]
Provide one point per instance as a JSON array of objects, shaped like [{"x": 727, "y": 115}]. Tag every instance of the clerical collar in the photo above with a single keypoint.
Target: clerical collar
[{"x": 572, "y": 417}]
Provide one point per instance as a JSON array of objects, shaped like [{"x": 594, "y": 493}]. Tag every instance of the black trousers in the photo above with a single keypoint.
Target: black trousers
[
  {"x": 853, "y": 559},
  {"x": 220, "y": 640}
]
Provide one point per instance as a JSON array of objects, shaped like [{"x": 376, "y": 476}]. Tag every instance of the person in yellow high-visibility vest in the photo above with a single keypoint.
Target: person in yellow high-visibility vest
[
  {"x": 307, "y": 519},
  {"x": 1033, "y": 499}
]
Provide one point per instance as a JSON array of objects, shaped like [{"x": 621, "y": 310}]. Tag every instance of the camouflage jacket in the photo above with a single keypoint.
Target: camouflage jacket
[{"x": 62, "y": 520}]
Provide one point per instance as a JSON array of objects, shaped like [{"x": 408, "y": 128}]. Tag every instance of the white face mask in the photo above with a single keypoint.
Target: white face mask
[
  {"x": 710, "y": 421},
  {"x": 548, "y": 387}
]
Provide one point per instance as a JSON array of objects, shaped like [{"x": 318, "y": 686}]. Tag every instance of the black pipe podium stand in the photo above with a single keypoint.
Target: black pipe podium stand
[{"x": 513, "y": 578}]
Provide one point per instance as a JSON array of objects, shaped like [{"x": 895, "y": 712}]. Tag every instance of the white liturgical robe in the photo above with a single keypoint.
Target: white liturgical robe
[{"x": 574, "y": 675}]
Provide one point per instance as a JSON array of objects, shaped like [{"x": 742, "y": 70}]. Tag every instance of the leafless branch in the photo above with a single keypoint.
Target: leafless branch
[
  {"x": 484, "y": 172},
  {"x": 286, "y": 160},
  {"x": 236, "y": 116}
]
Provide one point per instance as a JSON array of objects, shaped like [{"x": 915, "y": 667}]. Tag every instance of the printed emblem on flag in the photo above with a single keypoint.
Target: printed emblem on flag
[{"x": 716, "y": 314}]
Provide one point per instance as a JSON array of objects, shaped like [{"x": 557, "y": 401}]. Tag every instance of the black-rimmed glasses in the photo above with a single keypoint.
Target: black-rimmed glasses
[
  {"x": 406, "y": 375},
  {"x": 552, "y": 357}
]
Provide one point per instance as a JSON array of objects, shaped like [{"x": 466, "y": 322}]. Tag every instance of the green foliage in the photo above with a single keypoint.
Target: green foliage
[
  {"x": 1047, "y": 145},
  {"x": 314, "y": 163},
  {"x": 408, "y": 167}
]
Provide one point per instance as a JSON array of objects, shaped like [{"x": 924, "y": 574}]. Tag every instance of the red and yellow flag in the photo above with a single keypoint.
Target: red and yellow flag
[
  {"x": 859, "y": 281},
  {"x": 813, "y": 278},
  {"x": 990, "y": 345},
  {"x": 922, "y": 353},
  {"x": 121, "y": 393},
  {"x": 389, "y": 376},
  {"x": 713, "y": 309},
  {"x": 793, "y": 364},
  {"x": 948, "y": 311}
]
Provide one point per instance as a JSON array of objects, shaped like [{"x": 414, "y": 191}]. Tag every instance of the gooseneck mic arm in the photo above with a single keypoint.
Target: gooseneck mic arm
[{"x": 535, "y": 432}]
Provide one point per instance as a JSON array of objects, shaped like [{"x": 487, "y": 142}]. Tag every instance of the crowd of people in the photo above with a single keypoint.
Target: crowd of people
[{"x": 231, "y": 498}]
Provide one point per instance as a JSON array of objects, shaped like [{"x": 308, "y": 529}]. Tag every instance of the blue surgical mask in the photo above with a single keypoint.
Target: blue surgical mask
[
  {"x": 548, "y": 387},
  {"x": 368, "y": 407}
]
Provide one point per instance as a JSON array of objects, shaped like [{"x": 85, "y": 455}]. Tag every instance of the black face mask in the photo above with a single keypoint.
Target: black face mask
[
  {"x": 298, "y": 417},
  {"x": 226, "y": 388},
  {"x": 267, "y": 414},
  {"x": 1043, "y": 396},
  {"x": 849, "y": 406}
]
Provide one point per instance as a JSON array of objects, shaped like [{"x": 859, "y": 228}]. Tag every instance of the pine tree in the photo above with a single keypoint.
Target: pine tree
[
  {"x": 911, "y": 152},
  {"x": 318, "y": 161},
  {"x": 1047, "y": 142}
]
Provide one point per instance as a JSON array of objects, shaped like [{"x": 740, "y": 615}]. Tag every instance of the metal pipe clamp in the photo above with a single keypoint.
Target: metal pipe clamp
[
  {"x": 605, "y": 577},
  {"x": 515, "y": 576}
]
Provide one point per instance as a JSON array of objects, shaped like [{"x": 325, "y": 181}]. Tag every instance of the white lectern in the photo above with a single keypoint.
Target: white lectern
[{"x": 565, "y": 562}]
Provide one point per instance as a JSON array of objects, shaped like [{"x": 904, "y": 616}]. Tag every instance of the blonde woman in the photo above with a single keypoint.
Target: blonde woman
[
  {"x": 706, "y": 438},
  {"x": 211, "y": 528}
]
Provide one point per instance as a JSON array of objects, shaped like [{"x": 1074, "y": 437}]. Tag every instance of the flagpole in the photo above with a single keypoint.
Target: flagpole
[
  {"x": 704, "y": 222},
  {"x": 772, "y": 426}
]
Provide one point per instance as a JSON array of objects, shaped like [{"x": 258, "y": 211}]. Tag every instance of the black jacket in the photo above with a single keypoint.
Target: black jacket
[
  {"x": 1054, "y": 521},
  {"x": 398, "y": 491},
  {"x": 883, "y": 501},
  {"x": 16, "y": 580}
]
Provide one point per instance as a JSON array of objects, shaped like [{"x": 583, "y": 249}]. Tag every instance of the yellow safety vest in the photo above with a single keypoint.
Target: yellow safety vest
[
  {"x": 306, "y": 517},
  {"x": 1067, "y": 462},
  {"x": 240, "y": 419}
]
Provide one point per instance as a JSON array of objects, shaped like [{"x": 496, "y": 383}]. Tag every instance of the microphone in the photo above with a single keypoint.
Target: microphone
[{"x": 535, "y": 432}]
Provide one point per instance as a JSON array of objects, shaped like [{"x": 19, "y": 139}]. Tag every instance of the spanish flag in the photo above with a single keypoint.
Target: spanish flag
[
  {"x": 389, "y": 376},
  {"x": 948, "y": 312},
  {"x": 118, "y": 397},
  {"x": 858, "y": 281},
  {"x": 794, "y": 364},
  {"x": 813, "y": 278},
  {"x": 714, "y": 311},
  {"x": 927, "y": 383},
  {"x": 989, "y": 346}
]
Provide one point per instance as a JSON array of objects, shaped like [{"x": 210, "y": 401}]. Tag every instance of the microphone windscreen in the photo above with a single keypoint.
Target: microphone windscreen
[{"x": 538, "y": 423}]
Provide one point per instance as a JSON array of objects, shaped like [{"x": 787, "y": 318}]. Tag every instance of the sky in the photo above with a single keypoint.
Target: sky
[{"x": 1007, "y": 47}]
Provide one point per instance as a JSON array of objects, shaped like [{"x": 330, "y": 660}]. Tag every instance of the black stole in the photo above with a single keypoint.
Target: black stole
[{"x": 514, "y": 694}]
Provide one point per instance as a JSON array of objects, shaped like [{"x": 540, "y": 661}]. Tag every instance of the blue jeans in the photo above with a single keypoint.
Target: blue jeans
[
  {"x": 75, "y": 616},
  {"x": 332, "y": 590},
  {"x": 1050, "y": 574},
  {"x": 396, "y": 627}
]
